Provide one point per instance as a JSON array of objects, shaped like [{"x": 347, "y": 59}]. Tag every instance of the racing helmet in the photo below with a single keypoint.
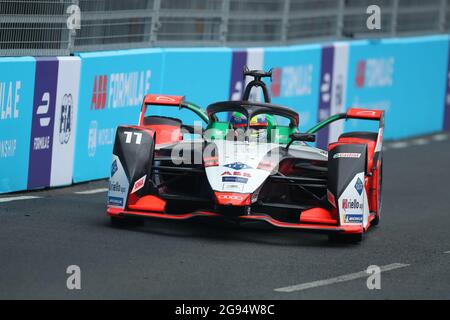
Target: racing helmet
[{"x": 260, "y": 121}]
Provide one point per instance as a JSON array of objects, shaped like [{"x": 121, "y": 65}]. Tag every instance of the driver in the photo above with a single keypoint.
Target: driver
[{"x": 258, "y": 126}]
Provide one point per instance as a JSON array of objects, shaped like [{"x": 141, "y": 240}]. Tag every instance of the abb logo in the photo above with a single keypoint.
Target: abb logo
[
  {"x": 360, "y": 74},
  {"x": 237, "y": 173},
  {"x": 99, "y": 91},
  {"x": 275, "y": 86}
]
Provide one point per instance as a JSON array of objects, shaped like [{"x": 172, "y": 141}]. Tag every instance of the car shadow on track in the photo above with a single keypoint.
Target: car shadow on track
[{"x": 221, "y": 231}]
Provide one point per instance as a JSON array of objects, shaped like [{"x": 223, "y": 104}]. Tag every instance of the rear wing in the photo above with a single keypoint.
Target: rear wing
[
  {"x": 170, "y": 100},
  {"x": 358, "y": 113},
  {"x": 368, "y": 114},
  {"x": 352, "y": 113}
]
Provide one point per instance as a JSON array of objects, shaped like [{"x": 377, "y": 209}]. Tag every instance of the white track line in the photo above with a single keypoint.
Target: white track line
[
  {"x": 18, "y": 198},
  {"x": 92, "y": 191},
  {"x": 343, "y": 278},
  {"x": 420, "y": 141},
  {"x": 447, "y": 252},
  {"x": 440, "y": 137},
  {"x": 398, "y": 145}
]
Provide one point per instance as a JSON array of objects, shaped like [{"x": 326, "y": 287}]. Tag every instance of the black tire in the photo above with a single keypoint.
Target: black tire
[
  {"x": 345, "y": 238},
  {"x": 376, "y": 221},
  {"x": 123, "y": 222}
]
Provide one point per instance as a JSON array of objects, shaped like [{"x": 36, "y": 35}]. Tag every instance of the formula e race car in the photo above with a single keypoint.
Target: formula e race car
[{"x": 247, "y": 163}]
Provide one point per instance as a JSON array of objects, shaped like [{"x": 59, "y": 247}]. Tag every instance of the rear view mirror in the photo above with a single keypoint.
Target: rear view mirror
[{"x": 308, "y": 137}]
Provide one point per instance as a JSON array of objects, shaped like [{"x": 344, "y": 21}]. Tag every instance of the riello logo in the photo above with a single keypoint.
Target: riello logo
[{"x": 99, "y": 91}]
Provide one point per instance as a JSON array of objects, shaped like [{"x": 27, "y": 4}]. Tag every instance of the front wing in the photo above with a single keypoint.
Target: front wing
[{"x": 244, "y": 219}]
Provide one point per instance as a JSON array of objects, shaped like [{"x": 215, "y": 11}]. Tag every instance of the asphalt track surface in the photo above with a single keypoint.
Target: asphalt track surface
[{"x": 41, "y": 237}]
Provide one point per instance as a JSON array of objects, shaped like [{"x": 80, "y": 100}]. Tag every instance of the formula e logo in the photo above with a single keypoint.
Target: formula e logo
[
  {"x": 65, "y": 121},
  {"x": 98, "y": 101},
  {"x": 114, "y": 168},
  {"x": 237, "y": 166},
  {"x": 139, "y": 184},
  {"x": 373, "y": 72},
  {"x": 43, "y": 110},
  {"x": 92, "y": 138},
  {"x": 359, "y": 186}
]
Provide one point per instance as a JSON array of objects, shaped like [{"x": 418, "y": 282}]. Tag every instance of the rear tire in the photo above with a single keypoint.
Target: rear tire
[
  {"x": 345, "y": 238},
  {"x": 123, "y": 222}
]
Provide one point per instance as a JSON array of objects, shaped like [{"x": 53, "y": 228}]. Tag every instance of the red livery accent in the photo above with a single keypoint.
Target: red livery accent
[
  {"x": 233, "y": 199},
  {"x": 158, "y": 99},
  {"x": 166, "y": 133},
  {"x": 149, "y": 203},
  {"x": 317, "y": 215},
  {"x": 165, "y": 100},
  {"x": 348, "y": 229},
  {"x": 355, "y": 113}
]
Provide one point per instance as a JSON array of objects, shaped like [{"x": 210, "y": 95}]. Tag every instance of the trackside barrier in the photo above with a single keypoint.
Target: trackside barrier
[
  {"x": 16, "y": 101},
  {"x": 58, "y": 115}
]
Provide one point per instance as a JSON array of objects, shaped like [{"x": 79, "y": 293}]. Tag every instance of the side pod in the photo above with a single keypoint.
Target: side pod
[
  {"x": 131, "y": 165},
  {"x": 346, "y": 182}
]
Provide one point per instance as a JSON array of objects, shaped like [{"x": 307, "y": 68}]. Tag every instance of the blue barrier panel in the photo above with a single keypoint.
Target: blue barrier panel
[
  {"x": 446, "y": 120},
  {"x": 295, "y": 79},
  {"x": 16, "y": 101},
  {"x": 202, "y": 75},
  {"x": 43, "y": 122},
  {"x": 112, "y": 87},
  {"x": 406, "y": 77}
]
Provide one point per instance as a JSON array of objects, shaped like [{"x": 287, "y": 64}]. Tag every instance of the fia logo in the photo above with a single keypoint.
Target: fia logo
[
  {"x": 92, "y": 138},
  {"x": 65, "y": 121},
  {"x": 43, "y": 110}
]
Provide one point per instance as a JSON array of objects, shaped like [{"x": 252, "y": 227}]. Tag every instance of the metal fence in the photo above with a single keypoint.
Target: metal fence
[{"x": 40, "y": 27}]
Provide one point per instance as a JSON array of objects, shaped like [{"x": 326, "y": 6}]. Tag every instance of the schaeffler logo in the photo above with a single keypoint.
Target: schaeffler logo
[
  {"x": 139, "y": 184},
  {"x": 65, "y": 121}
]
